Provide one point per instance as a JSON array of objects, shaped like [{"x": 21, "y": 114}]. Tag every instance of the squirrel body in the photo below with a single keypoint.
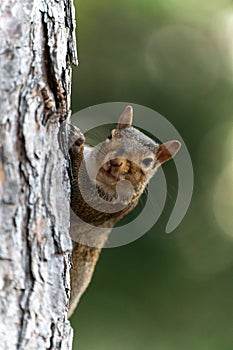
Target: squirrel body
[{"x": 106, "y": 184}]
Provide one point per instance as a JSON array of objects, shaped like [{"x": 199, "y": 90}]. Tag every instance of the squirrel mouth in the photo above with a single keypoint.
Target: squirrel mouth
[
  {"x": 111, "y": 171},
  {"x": 108, "y": 174}
]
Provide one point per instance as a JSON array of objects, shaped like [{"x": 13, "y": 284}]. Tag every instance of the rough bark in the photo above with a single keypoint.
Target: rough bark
[{"x": 37, "y": 46}]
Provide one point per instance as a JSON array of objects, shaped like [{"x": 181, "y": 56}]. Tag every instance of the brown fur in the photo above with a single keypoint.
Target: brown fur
[{"x": 120, "y": 157}]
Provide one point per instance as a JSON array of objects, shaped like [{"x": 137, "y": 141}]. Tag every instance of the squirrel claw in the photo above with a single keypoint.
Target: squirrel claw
[
  {"x": 75, "y": 137},
  {"x": 70, "y": 136}
]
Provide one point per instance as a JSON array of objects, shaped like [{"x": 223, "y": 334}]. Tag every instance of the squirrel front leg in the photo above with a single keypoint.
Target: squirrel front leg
[{"x": 84, "y": 257}]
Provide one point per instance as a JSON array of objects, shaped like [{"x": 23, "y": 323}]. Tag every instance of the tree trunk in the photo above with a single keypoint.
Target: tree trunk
[{"x": 37, "y": 47}]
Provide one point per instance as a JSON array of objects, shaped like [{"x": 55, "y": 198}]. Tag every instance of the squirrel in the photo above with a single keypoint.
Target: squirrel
[{"x": 106, "y": 184}]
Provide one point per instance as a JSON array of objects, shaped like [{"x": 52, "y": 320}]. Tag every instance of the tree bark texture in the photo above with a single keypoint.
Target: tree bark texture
[{"x": 37, "y": 48}]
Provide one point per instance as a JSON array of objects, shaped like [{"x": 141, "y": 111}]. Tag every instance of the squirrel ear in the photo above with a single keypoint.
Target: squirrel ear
[
  {"x": 167, "y": 151},
  {"x": 126, "y": 118}
]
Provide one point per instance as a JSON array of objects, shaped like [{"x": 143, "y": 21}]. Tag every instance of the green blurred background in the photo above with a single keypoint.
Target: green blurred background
[{"x": 165, "y": 292}]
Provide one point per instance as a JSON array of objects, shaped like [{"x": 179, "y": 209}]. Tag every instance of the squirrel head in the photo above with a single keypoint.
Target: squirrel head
[{"x": 128, "y": 154}]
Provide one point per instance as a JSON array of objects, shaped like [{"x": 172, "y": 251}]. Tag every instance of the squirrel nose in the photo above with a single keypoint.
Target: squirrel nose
[{"x": 116, "y": 162}]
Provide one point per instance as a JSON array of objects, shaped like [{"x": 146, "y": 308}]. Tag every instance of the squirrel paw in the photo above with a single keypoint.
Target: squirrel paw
[
  {"x": 75, "y": 137},
  {"x": 70, "y": 136}
]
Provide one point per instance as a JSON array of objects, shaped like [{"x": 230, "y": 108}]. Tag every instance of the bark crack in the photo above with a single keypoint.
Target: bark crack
[{"x": 48, "y": 62}]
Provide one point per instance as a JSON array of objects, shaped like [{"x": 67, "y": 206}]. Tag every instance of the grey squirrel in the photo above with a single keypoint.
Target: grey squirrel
[{"x": 112, "y": 174}]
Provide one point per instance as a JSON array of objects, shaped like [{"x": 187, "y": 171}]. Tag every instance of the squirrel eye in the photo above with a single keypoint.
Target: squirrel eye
[
  {"x": 110, "y": 136},
  {"x": 147, "y": 162}
]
